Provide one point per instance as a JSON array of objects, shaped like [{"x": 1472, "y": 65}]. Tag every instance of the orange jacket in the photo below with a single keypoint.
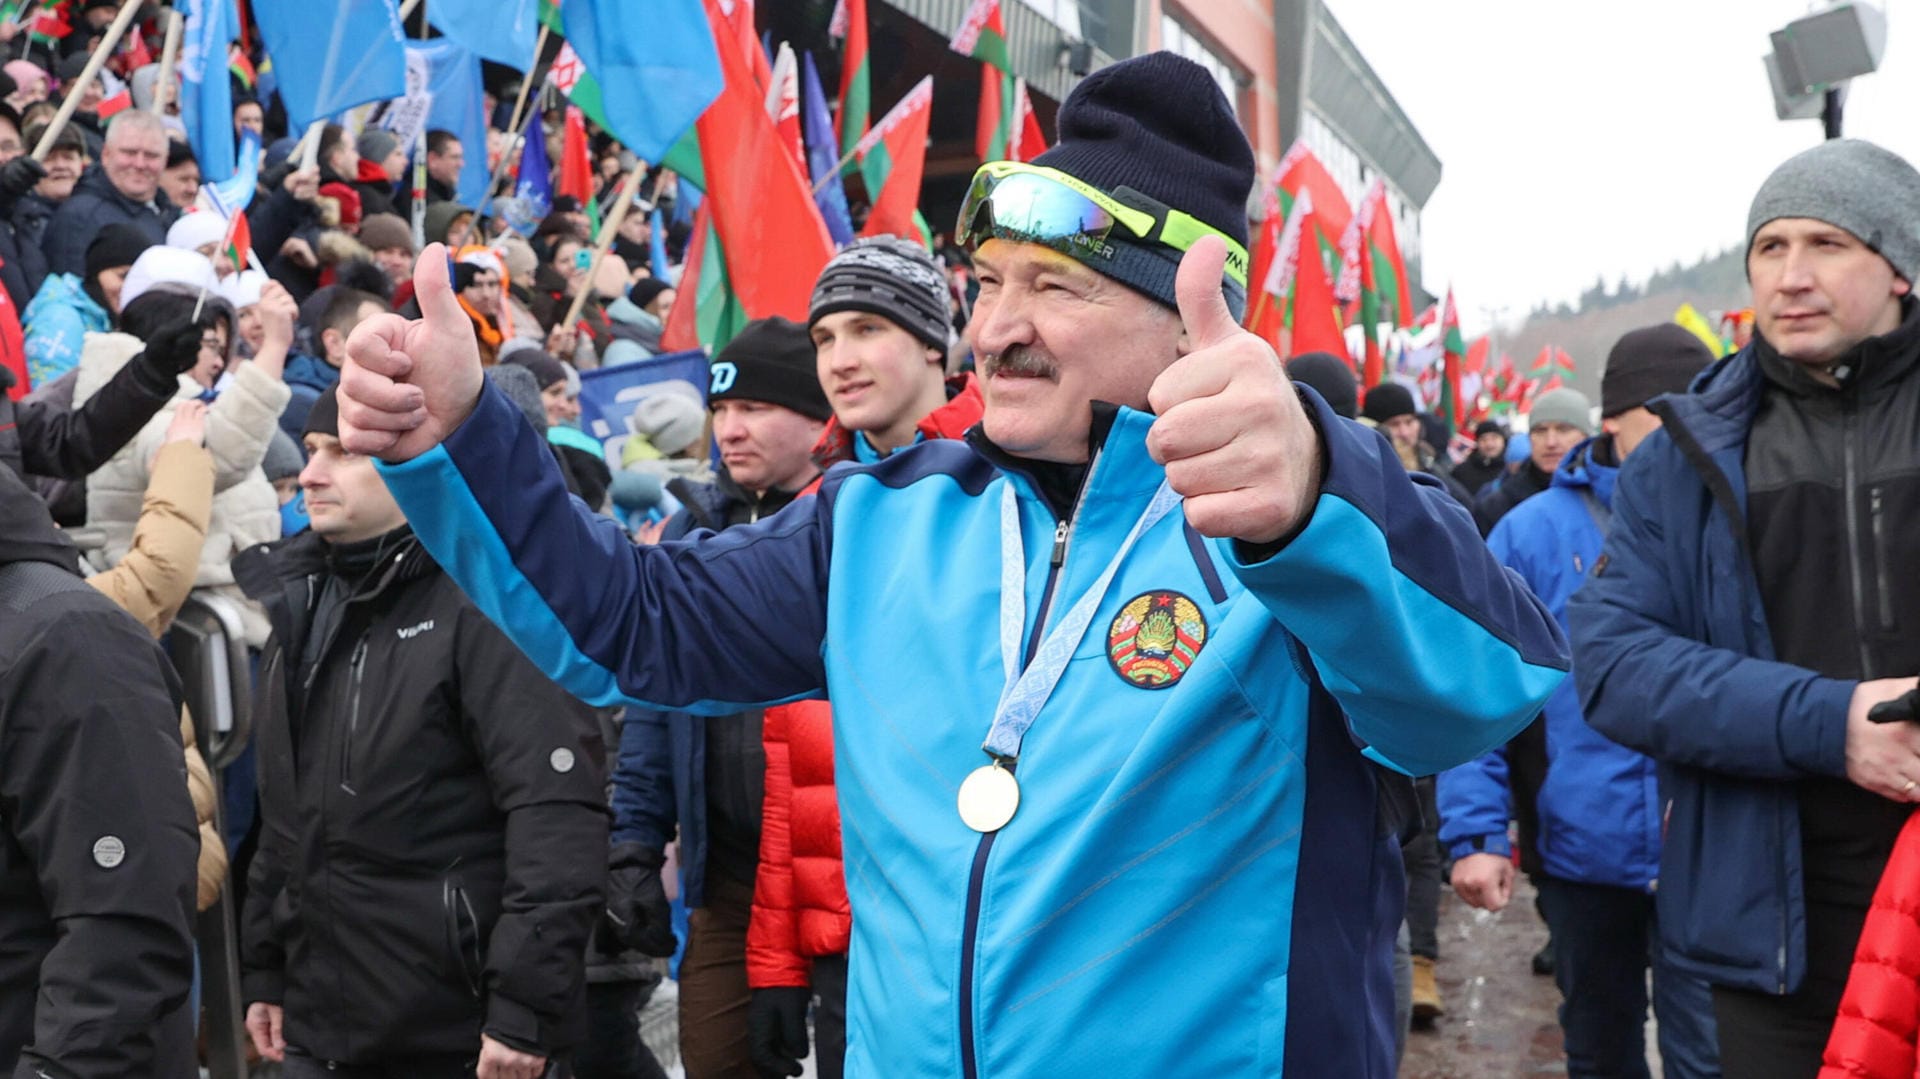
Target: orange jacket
[
  {"x": 800, "y": 891},
  {"x": 1873, "y": 1036}
]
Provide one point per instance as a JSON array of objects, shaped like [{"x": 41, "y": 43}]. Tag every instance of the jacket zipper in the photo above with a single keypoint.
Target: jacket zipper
[
  {"x": 976, "y": 877},
  {"x": 358, "y": 665},
  {"x": 1850, "y": 478},
  {"x": 1881, "y": 579}
]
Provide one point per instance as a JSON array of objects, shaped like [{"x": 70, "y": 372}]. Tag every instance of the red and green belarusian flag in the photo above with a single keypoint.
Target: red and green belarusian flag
[
  {"x": 892, "y": 158},
  {"x": 1292, "y": 306},
  {"x": 759, "y": 241},
  {"x": 1301, "y": 171},
  {"x": 1453, "y": 350},
  {"x": 983, "y": 36},
  {"x": 856, "y": 75},
  {"x": 1551, "y": 369},
  {"x": 1373, "y": 277}
]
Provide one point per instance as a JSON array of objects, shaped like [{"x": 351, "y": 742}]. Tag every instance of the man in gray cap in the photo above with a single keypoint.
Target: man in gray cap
[
  {"x": 1755, "y": 602},
  {"x": 1559, "y": 420}
]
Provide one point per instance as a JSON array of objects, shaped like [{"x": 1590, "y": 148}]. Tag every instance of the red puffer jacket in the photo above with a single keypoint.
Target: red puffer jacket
[
  {"x": 800, "y": 891},
  {"x": 1873, "y": 1037}
]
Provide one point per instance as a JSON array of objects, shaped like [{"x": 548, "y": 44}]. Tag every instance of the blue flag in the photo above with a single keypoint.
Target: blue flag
[
  {"x": 453, "y": 78},
  {"x": 532, "y": 196},
  {"x": 656, "y": 62},
  {"x": 232, "y": 195},
  {"x": 330, "y": 57},
  {"x": 686, "y": 202},
  {"x": 206, "y": 97},
  {"x": 823, "y": 153},
  {"x": 499, "y": 30},
  {"x": 657, "y": 245}
]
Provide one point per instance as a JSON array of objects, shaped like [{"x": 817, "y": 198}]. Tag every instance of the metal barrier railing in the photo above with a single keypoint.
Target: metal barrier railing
[{"x": 208, "y": 648}]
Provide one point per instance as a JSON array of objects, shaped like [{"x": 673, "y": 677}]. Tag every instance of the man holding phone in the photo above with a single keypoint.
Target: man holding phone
[{"x": 1755, "y": 601}]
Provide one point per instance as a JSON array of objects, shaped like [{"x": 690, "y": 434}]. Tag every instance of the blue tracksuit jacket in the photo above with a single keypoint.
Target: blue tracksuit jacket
[
  {"x": 1600, "y": 804},
  {"x": 1197, "y": 882}
]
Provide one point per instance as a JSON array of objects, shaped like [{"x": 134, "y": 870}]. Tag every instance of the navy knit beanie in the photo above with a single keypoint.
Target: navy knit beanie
[{"x": 1159, "y": 125}]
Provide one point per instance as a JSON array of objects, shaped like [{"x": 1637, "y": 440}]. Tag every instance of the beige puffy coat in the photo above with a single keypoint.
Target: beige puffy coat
[{"x": 240, "y": 424}]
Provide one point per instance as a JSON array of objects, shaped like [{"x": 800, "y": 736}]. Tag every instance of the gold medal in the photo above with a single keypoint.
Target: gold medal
[{"x": 989, "y": 798}]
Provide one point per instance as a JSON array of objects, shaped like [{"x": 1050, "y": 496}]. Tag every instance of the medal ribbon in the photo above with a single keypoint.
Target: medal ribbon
[{"x": 1027, "y": 691}]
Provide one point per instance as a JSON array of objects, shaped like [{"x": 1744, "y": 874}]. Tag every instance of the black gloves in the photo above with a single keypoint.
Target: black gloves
[
  {"x": 777, "y": 1029},
  {"x": 172, "y": 352},
  {"x": 637, "y": 907},
  {"x": 18, "y": 176}
]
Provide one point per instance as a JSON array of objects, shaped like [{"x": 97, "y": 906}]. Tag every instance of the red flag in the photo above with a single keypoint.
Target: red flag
[
  {"x": 135, "y": 53},
  {"x": 768, "y": 225},
  {"x": 1386, "y": 246},
  {"x": 576, "y": 161},
  {"x": 893, "y": 157},
  {"x": 1301, "y": 171},
  {"x": 1453, "y": 407},
  {"x": 1266, "y": 313},
  {"x": 1316, "y": 315},
  {"x": 856, "y": 79}
]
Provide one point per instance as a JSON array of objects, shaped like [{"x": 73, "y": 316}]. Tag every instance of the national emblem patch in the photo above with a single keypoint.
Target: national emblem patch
[{"x": 1155, "y": 638}]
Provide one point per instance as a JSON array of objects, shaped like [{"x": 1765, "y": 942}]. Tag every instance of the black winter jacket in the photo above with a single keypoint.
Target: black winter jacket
[
  {"x": 97, "y": 838},
  {"x": 434, "y": 836},
  {"x": 95, "y": 204},
  {"x": 43, "y": 439}
]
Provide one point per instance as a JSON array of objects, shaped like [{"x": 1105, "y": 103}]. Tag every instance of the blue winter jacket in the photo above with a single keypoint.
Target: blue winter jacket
[
  {"x": 309, "y": 376},
  {"x": 1674, "y": 659},
  {"x": 660, "y": 782},
  {"x": 1599, "y": 807},
  {"x": 1198, "y": 881},
  {"x": 57, "y": 322}
]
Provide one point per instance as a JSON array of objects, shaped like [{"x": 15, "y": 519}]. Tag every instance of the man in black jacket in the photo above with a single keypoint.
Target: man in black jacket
[
  {"x": 125, "y": 186},
  {"x": 434, "y": 829},
  {"x": 97, "y": 838},
  {"x": 1488, "y": 461}
]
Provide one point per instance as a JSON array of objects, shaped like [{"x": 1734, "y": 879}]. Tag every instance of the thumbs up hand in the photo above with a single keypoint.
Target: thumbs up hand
[
  {"x": 1233, "y": 435},
  {"x": 408, "y": 383}
]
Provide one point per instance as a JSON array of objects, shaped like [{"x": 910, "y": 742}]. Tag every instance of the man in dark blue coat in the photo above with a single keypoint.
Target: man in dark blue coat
[{"x": 1755, "y": 601}]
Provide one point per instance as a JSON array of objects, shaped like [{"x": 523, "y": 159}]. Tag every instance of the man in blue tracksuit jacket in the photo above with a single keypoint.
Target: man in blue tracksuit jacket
[
  {"x": 1598, "y": 808},
  {"x": 1755, "y": 601},
  {"x": 1194, "y": 879}
]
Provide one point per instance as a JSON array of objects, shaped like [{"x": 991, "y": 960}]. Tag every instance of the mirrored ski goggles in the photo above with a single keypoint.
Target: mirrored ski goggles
[{"x": 1011, "y": 200}]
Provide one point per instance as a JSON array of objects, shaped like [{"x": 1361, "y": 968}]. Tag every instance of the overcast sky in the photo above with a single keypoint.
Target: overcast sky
[{"x": 1579, "y": 140}]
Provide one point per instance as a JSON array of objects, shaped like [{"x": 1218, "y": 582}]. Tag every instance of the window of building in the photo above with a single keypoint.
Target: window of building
[{"x": 1062, "y": 13}]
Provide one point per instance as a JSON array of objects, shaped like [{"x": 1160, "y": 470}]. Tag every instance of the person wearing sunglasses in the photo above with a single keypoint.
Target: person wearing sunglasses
[{"x": 1107, "y": 761}]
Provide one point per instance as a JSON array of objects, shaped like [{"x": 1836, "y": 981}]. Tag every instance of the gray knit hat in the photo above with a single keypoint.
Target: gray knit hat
[
  {"x": 890, "y": 277},
  {"x": 376, "y": 143},
  {"x": 1563, "y": 404},
  {"x": 1855, "y": 185}
]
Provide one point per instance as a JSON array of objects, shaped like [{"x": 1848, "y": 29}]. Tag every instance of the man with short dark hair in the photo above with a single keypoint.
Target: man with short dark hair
[
  {"x": 433, "y": 823},
  {"x": 1755, "y": 603}
]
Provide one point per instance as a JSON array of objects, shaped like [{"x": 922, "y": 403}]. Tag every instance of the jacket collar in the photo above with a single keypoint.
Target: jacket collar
[
  {"x": 952, "y": 420},
  {"x": 1119, "y": 471}
]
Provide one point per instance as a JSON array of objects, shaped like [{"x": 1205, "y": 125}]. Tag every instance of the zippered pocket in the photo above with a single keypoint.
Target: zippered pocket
[
  {"x": 1883, "y": 580},
  {"x": 358, "y": 668},
  {"x": 463, "y": 935}
]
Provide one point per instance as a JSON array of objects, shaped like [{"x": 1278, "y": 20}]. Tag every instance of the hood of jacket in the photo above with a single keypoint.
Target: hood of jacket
[
  {"x": 27, "y": 531},
  {"x": 1592, "y": 465}
]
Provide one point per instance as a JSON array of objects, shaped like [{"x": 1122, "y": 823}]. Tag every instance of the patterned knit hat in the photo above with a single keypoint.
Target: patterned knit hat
[{"x": 890, "y": 277}]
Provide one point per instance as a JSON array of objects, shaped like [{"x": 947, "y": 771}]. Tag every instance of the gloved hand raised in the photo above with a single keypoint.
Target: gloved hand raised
[
  {"x": 173, "y": 351},
  {"x": 17, "y": 177},
  {"x": 777, "y": 1030}
]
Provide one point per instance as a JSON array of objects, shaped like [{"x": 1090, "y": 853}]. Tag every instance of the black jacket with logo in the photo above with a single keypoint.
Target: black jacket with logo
[
  {"x": 97, "y": 839},
  {"x": 434, "y": 834}
]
